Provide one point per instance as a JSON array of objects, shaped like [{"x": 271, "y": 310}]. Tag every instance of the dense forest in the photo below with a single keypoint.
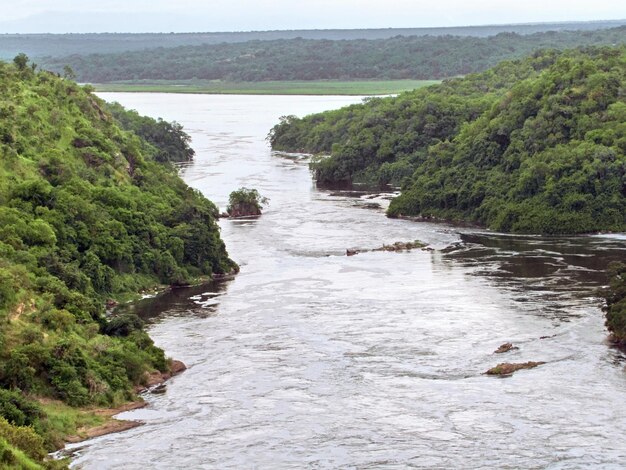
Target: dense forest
[
  {"x": 413, "y": 57},
  {"x": 534, "y": 146},
  {"x": 89, "y": 211},
  {"x": 59, "y": 45},
  {"x": 163, "y": 141}
]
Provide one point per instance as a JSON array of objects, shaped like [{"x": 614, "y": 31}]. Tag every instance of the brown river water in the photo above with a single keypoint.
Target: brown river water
[{"x": 312, "y": 359}]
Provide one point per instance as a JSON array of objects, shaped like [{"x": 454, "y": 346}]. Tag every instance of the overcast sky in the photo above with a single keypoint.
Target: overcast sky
[{"x": 27, "y": 16}]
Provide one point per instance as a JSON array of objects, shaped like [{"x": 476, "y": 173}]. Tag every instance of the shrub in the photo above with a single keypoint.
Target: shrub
[
  {"x": 122, "y": 325},
  {"x": 245, "y": 202},
  {"x": 24, "y": 438},
  {"x": 18, "y": 410}
]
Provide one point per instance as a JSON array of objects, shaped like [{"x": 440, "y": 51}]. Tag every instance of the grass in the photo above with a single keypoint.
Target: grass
[
  {"x": 65, "y": 420},
  {"x": 321, "y": 87},
  {"x": 14, "y": 458}
]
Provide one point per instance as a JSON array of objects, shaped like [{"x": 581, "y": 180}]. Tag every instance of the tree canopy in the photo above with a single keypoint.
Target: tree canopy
[
  {"x": 535, "y": 146},
  {"x": 399, "y": 57}
]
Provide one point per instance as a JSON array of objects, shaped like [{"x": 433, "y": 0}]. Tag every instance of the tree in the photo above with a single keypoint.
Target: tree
[
  {"x": 21, "y": 61},
  {"x": 68, "y": 73},
  {"x": 245, "y": 202}
]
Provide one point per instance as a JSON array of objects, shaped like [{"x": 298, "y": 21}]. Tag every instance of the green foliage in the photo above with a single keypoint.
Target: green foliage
[
  {"x": 58, "y": 45},
  {"x": 24, "y": 438},
  {"x": 123, "y": 325},
  {"x": 169, "y": 143},
  {"x": 87, "y": 212},
  {"x": 534, "y": 146},
  {"x": 18, "y": 410},
  {"x": 616, "y": 302},
  {"x": 245, "y": 202},
  {"x": 21, "y": 61},
  {"x": 393, "y": 58}
]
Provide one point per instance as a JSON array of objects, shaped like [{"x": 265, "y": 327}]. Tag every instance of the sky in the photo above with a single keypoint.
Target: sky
[{"x": 79, "y": 16}]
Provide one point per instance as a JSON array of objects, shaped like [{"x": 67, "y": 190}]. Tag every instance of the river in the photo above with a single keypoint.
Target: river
[{"x": 312, "y": 359}]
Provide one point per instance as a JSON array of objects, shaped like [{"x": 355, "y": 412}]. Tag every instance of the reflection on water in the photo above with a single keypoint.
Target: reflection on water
[
  {"x": 200, "y": 300},
  {"x": 312, "y": 359},
  {"x": 553, "y": 272}
]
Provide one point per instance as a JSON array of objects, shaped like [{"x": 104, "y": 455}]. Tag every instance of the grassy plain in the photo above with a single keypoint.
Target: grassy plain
[{"x": 321, "y": 87}]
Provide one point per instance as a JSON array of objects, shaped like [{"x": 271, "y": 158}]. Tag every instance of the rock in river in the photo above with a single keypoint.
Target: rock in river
[{"x": 507, "y": 368}]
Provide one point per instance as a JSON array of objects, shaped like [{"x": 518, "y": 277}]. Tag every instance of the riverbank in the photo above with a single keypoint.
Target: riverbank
[
  {"x": 98, "y": 422},
  {"x": 318, "y": 87}
]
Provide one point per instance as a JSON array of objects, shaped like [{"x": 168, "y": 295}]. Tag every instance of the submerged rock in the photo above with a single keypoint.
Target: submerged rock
[
  {"x": 159, "y": 389},
  {"x": 397, "y": 246},
  {"x": 506, "y": 347},
  {"x": 370, "y": 205},
  {"x": 507, "y": 368},
  {"x": 401, "y": 246}
]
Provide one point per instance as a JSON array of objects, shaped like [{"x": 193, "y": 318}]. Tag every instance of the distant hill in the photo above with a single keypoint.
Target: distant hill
[
  {"x": 396, "y": 58},
  {"x": 58, "y": 45}
]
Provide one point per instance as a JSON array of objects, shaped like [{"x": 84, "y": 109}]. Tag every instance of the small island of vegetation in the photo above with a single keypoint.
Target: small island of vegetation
[{"x": 245, "y": 203}]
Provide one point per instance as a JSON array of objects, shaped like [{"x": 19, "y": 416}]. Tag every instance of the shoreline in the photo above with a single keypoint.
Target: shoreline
[
  {"x": 113, "y": 425},
  {"x": 312, "y": 88},
  {"x": 154, "y": 380}
]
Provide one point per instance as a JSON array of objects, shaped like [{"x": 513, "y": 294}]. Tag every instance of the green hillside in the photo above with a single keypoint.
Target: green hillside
[
  {"x": 534, "y": 146},
  {"x": 88, "y": 212}
]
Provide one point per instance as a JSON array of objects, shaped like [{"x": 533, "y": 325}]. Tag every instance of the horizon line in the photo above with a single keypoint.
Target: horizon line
[{"x": 486, "y": 25}]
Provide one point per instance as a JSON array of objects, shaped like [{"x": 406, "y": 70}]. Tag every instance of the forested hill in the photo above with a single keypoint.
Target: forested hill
[
  {"x": 58, "y": 45},
  {"x": 536, "y": 145},
  {"x": 414, "y": 57},
  {"x": 87, "y": 213}
]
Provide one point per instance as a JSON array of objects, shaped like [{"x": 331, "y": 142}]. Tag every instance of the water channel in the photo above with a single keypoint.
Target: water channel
[{"x": 312, "y": 359}]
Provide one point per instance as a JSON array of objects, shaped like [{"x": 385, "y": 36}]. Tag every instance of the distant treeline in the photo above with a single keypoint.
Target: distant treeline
[
  {"x": 58, "y": 45},
  {"x": 413, "y": 57},
  {"x": 532, "y": 146}
]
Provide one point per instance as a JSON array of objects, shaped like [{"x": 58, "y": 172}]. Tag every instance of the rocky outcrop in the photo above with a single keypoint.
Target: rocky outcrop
[
  {"x": 397, "y": 246},
  {"x": 244, "y": 210},
  {"x": 507, "y": 368},
  {"x": 158, "y": 378},
  {"x": 506, "y": 347}
]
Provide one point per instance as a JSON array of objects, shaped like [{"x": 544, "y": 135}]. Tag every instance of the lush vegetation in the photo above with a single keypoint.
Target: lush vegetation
[
  {"x": 414, "y": 57},
  {"x": 536, "y": 145},
  {"x": 245, "y": 202},
  {"x": 167, "y": 141},
  {"x": 58, "y": 45},
  {"x": 616, "y": 302},
  {"x": 320, "y": 87},
  {"x": 88, "y": 212}
]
